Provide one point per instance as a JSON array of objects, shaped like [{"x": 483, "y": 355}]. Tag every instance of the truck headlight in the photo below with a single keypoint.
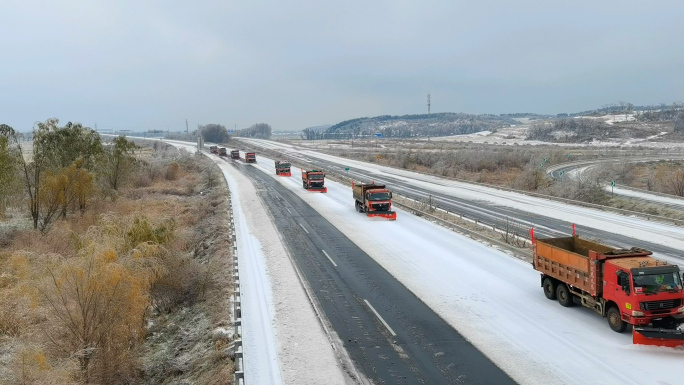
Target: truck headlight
[
  {"x": 636, "y": 313},
  {"x": 680, "y": 310}
]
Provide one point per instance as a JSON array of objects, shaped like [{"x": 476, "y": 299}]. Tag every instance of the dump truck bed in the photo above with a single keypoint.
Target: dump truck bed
[
  {"x": 568, "y": 259},
  {"x": 359, "y": 190},
  {"x": 576, "y": 261}
]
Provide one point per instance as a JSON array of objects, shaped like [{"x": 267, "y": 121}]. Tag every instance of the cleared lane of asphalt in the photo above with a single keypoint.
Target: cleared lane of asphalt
[
  {"x": 488, "y": 212},
  {"x": 390, "y": 334}
]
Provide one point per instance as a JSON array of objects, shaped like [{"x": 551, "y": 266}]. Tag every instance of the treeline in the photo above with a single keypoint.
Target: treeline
[
  {"x": 259, "y": 131},
  {"x": 56, "y": 172},
  {"x": 438, "y": 124},
  {"x": 568, "y": 130}
]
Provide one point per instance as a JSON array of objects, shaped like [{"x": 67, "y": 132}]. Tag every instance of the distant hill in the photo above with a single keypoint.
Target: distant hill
[{"x": 438, "y": 124}]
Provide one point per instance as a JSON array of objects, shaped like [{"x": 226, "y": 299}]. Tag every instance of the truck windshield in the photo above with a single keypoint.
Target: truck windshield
[
  {"x": 284, "y": 165},
  {"x": 317, "y": 177},
  {"x": 379, "y": 196},
  {"x": 654, "y": 283}
]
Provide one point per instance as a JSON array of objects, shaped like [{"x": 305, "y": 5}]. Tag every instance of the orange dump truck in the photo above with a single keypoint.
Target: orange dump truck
[
  {"x": 314, "y": 180},
  {"x": 374, "y": 200},
  {"x": 282, "y": 168},
  {"x": 250, "y": 157},
  {"x": 627, "y": 286}
]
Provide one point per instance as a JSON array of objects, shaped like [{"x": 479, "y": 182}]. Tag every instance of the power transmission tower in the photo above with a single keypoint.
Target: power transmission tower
[
  {"x": 187, "y": 131},
  {"x": 428, "y": 104}
]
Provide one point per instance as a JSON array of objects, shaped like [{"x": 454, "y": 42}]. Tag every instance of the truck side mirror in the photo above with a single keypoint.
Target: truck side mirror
[{"x": 391, "y": 198}]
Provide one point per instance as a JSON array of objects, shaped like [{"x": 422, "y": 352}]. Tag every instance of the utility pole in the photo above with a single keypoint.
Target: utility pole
[
  {"x": 187, "y": 131},
  {"x": 428, "y": 98}
]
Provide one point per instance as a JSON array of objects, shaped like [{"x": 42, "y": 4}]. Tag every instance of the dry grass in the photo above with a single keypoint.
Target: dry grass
[{"x": 171, "y": 243}]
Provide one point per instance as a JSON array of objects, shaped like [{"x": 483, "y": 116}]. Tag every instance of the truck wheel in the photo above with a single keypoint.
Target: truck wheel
[
  {"x": 615, "y": 320},
  {"x": 564, "y": 296},
  {"x": 356, "y": 206},
  {"x": 549, "y": 288},
  {"x": 304, "y": 184}
]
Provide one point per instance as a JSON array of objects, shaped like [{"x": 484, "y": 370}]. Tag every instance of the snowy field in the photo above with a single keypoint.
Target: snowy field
[{"x": 494, "y": 300}]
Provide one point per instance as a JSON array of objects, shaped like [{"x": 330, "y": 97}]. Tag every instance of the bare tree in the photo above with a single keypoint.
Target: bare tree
[{"x": 674, "y": 183}]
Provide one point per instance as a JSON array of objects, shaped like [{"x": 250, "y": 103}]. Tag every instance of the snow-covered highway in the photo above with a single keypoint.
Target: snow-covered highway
[{"x": 494, "y": 300}]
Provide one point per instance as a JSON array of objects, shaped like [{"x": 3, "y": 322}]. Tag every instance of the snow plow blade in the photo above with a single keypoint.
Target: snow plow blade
[
  {"x": 284, "y": 174},
  {"x": 391, "y": 215},
  {"x": 323, "y": 190},
  {"x": 670, "y": 338}
]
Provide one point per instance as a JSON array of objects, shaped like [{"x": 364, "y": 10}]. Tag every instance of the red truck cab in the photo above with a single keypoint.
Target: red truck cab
[
  {"x": 250, "y": 157},
  {"x": 646, "y": 290},
  {"x": 314, "y": 180}
]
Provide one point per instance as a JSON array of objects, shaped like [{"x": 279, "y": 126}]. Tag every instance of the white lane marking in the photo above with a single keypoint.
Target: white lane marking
[
  {"x": 288, "y": 210},
  {"x": 331, "y": 261},
  {"x": 380, "y": 318},
  {"x": 307, "y": 231}
]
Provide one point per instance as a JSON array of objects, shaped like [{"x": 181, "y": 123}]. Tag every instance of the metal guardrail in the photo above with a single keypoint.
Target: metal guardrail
[{"x": 239, "y": 377}]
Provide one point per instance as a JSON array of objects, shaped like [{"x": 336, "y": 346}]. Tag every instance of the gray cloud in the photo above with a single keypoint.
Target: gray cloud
[{"x": 152, "y": 64}]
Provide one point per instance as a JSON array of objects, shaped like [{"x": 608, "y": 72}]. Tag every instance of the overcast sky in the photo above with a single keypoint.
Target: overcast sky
[{"x": 293, "y": 64}]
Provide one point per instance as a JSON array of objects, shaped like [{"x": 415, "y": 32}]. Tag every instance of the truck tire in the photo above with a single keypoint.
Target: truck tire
[
  {"x": 549, "y": 287},
  {"x": 564, "y": 296},
  {"x": 615, "y": 320},
  {"x": 304, "y": 185},
  {"x": 356, "y": 206}
]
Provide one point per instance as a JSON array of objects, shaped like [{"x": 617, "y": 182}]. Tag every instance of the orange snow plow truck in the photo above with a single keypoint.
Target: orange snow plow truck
[
  {"x": 282, "y": 168},
  {"x": 314, "y": 180},
  {"x": 626, "y": 286},
  {"x": 374, "y": 200}
]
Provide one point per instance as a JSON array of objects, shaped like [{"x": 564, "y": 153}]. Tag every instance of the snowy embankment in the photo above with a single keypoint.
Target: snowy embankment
[
  {"x": 633, "y": 227},
  {"x": 283, "y": 340},
  {"x": 678, "y": 202},
  {"x": 494, "y": 300}
]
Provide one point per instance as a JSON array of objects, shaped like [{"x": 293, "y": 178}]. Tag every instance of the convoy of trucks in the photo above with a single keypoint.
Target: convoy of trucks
[
  {"x": 374, "y": 200},
  {"x": 282, "y": 168},
  {"x": 626, "y": 286}
]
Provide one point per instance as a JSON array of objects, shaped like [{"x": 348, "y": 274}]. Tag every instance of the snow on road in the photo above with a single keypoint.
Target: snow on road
[
  {"x": 636, "y": 228},
  {"x": 283, "y": 340},
  {"x": 494, "y": 300}
]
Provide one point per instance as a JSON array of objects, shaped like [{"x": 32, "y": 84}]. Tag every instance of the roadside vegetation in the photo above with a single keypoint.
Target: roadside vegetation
[{"x": 114, "y": 261}]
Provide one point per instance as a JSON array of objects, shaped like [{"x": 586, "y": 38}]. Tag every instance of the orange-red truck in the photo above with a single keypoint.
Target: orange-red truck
[
  {"x": 213, "y": 149},
  {"x": 234, "y": 154},
  {"x": 282, "y": 168},
  {"x": 250, "y": 157},
  {"x": 374, "y": 200},
  {"x": 314, "y": 180},
  {"x": 627, "y": 286}
]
